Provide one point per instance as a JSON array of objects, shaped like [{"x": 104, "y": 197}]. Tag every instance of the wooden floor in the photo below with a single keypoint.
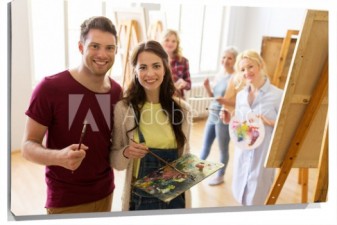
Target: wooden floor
[{"x": 28, "y": 186}]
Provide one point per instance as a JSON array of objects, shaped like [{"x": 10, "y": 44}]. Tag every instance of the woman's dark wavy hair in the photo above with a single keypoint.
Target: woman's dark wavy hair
[{"x": 135, "y": 93}]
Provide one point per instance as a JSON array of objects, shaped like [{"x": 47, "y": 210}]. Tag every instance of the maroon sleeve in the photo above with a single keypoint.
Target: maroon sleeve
[{"x": 40, "y": 107}]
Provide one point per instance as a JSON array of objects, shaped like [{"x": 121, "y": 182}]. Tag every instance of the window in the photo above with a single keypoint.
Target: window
[
  {"x": 191, "y": 34},
  {"x": 200, "y": 29},
  {"x": 47, "y": 38},
  {"x": 56, "y": 30},
  {"x": 211, "y": 41},
  {"x": 77, "y": 12}
]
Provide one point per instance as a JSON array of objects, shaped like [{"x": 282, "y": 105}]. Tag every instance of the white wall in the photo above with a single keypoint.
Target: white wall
[
  {"x": 247, "y": 25},
  {"x": 3, "y": 84},
  {"x": 21, "y": 79},
  {"x": 244, "y": 27}
]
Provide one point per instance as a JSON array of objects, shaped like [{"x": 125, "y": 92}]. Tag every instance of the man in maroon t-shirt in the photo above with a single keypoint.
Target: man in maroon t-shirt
[{"x": 78, "y": 173}]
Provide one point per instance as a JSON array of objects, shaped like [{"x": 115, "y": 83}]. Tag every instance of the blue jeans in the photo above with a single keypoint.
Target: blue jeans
[
  {"x": 215, "y": 128},
  {"x": 140, "y": 200}
]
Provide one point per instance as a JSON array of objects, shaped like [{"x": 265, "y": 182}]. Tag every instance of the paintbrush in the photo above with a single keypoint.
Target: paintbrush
[
  {"x": 84, "y": 129},
  {"x": 211, "y": 109},
  {"x": 165, "y": 162},
  {"x": 202, "y": 98}
]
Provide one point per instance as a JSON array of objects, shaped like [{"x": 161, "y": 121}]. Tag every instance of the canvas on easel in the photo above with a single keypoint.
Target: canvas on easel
[
  {"x": 302, "y": 121},
  {"x": 277, "y": 53},
  {"x": 132, "y": 29},
  {"x": 127, "y": 39},
  {"x": 138, "y": 14},
  {"x": 155, "y": 31}
]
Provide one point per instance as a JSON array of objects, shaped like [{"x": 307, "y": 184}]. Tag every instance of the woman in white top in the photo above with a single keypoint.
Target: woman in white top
[{"x": 251, "y": 180}]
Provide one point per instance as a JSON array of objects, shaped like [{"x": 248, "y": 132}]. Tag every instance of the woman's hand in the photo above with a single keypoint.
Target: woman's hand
[
  {"x": 208, "y": 88},
  {"x": 180, "y": 84},
  {"x": 207, "y": 83},
  {"x": 225, "y": 116},
  {"x": 135, "y": 150},
  {"x": 222, "y": 100},
  {"x": 266, "y": 121}
]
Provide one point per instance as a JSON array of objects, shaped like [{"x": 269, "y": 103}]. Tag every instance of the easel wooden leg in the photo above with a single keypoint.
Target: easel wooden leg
[
  {"x": 282, "y": 59},
  {"x": 299, "y": 176},
  {"x": 303, "y": 179},
  {"x": 323, "y": 173},
  {"x": 304, "y": 184}
]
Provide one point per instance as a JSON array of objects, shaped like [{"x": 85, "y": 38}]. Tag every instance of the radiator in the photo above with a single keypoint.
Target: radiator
[{"x": 195, "y": 98}]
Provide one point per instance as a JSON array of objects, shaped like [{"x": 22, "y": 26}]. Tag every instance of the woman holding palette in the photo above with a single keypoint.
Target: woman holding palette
[
  {"x": 149, "y": 118},
  {"x": 260, "y": 99}
]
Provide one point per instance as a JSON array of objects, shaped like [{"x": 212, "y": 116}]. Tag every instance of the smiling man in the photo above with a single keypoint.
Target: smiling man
[{"x": 78, "y": 173}]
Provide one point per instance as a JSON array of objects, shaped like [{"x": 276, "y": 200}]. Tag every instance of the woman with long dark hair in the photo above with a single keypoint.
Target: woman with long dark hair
[{"x": 149, "y": 117}]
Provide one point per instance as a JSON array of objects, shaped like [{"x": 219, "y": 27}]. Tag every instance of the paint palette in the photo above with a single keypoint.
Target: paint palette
[
  {"x": 248, "y": 133},
  {"x": 167, "y": 183}
]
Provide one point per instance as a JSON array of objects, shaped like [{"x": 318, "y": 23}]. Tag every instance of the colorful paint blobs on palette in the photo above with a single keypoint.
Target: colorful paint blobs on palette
[
  {"x": 166, "y": 183},
  {"x": 247, "y": 134},
  {"x": 245, "y": 131}
]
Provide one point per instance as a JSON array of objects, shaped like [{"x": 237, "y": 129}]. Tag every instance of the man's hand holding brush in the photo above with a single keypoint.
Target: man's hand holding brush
[{"x": 72, "y": 156}]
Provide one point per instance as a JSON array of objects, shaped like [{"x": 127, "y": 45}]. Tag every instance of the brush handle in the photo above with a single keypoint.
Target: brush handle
[
  {"x": 162, "y": 160},
  {"x": 82, "y": 135},
  {"x": 81, "y": 138},
  {"x": 166, "y": 163}
]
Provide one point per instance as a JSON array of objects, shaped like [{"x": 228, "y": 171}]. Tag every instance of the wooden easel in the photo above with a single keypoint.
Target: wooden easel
[
  {"x": 316, "y": 99},
  {"x": 127, "y": 38},
  {"x": 155, "y": 31},
  {"x": 280, "y": 75},
  {"x": 279, "y": 78},
  {"x": 298, "y": 136}
]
